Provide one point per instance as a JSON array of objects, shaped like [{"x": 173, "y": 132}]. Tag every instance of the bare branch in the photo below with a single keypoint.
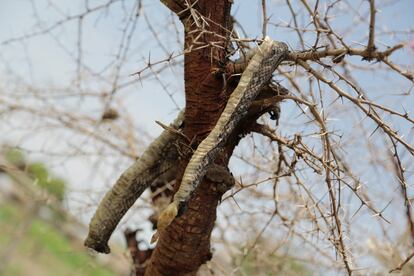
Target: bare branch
[{"x": 371, "y": 42}]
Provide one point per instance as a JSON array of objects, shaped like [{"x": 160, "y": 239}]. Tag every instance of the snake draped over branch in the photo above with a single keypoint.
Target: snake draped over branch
[{"x": 162, "y": 154}]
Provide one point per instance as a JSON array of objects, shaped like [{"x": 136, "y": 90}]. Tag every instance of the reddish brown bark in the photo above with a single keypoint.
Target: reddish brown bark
[{"x": 186, "y": 243}]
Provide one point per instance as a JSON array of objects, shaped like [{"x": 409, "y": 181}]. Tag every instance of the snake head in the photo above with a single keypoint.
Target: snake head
[{"x": 280, "y": 49}]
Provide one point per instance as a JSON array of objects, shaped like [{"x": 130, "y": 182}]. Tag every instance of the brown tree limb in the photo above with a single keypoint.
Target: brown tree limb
[{"x": 185, "y": 245}]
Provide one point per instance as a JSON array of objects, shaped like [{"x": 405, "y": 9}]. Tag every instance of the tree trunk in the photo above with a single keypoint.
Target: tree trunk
[{"x": 185, "y": 245}]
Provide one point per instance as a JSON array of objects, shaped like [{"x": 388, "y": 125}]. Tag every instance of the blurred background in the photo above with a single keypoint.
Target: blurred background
[{"x": 82, "y": 83}]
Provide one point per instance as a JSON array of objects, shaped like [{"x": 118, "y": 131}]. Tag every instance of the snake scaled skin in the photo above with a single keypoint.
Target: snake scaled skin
[{"x": 256, "y": 75}]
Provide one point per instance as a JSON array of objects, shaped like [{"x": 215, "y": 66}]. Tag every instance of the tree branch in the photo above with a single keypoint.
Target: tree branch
[{"x": 317, "y": 55}]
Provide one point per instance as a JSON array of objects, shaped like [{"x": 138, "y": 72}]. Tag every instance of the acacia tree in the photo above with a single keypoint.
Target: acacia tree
[{"x": 325, "y": 78}]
